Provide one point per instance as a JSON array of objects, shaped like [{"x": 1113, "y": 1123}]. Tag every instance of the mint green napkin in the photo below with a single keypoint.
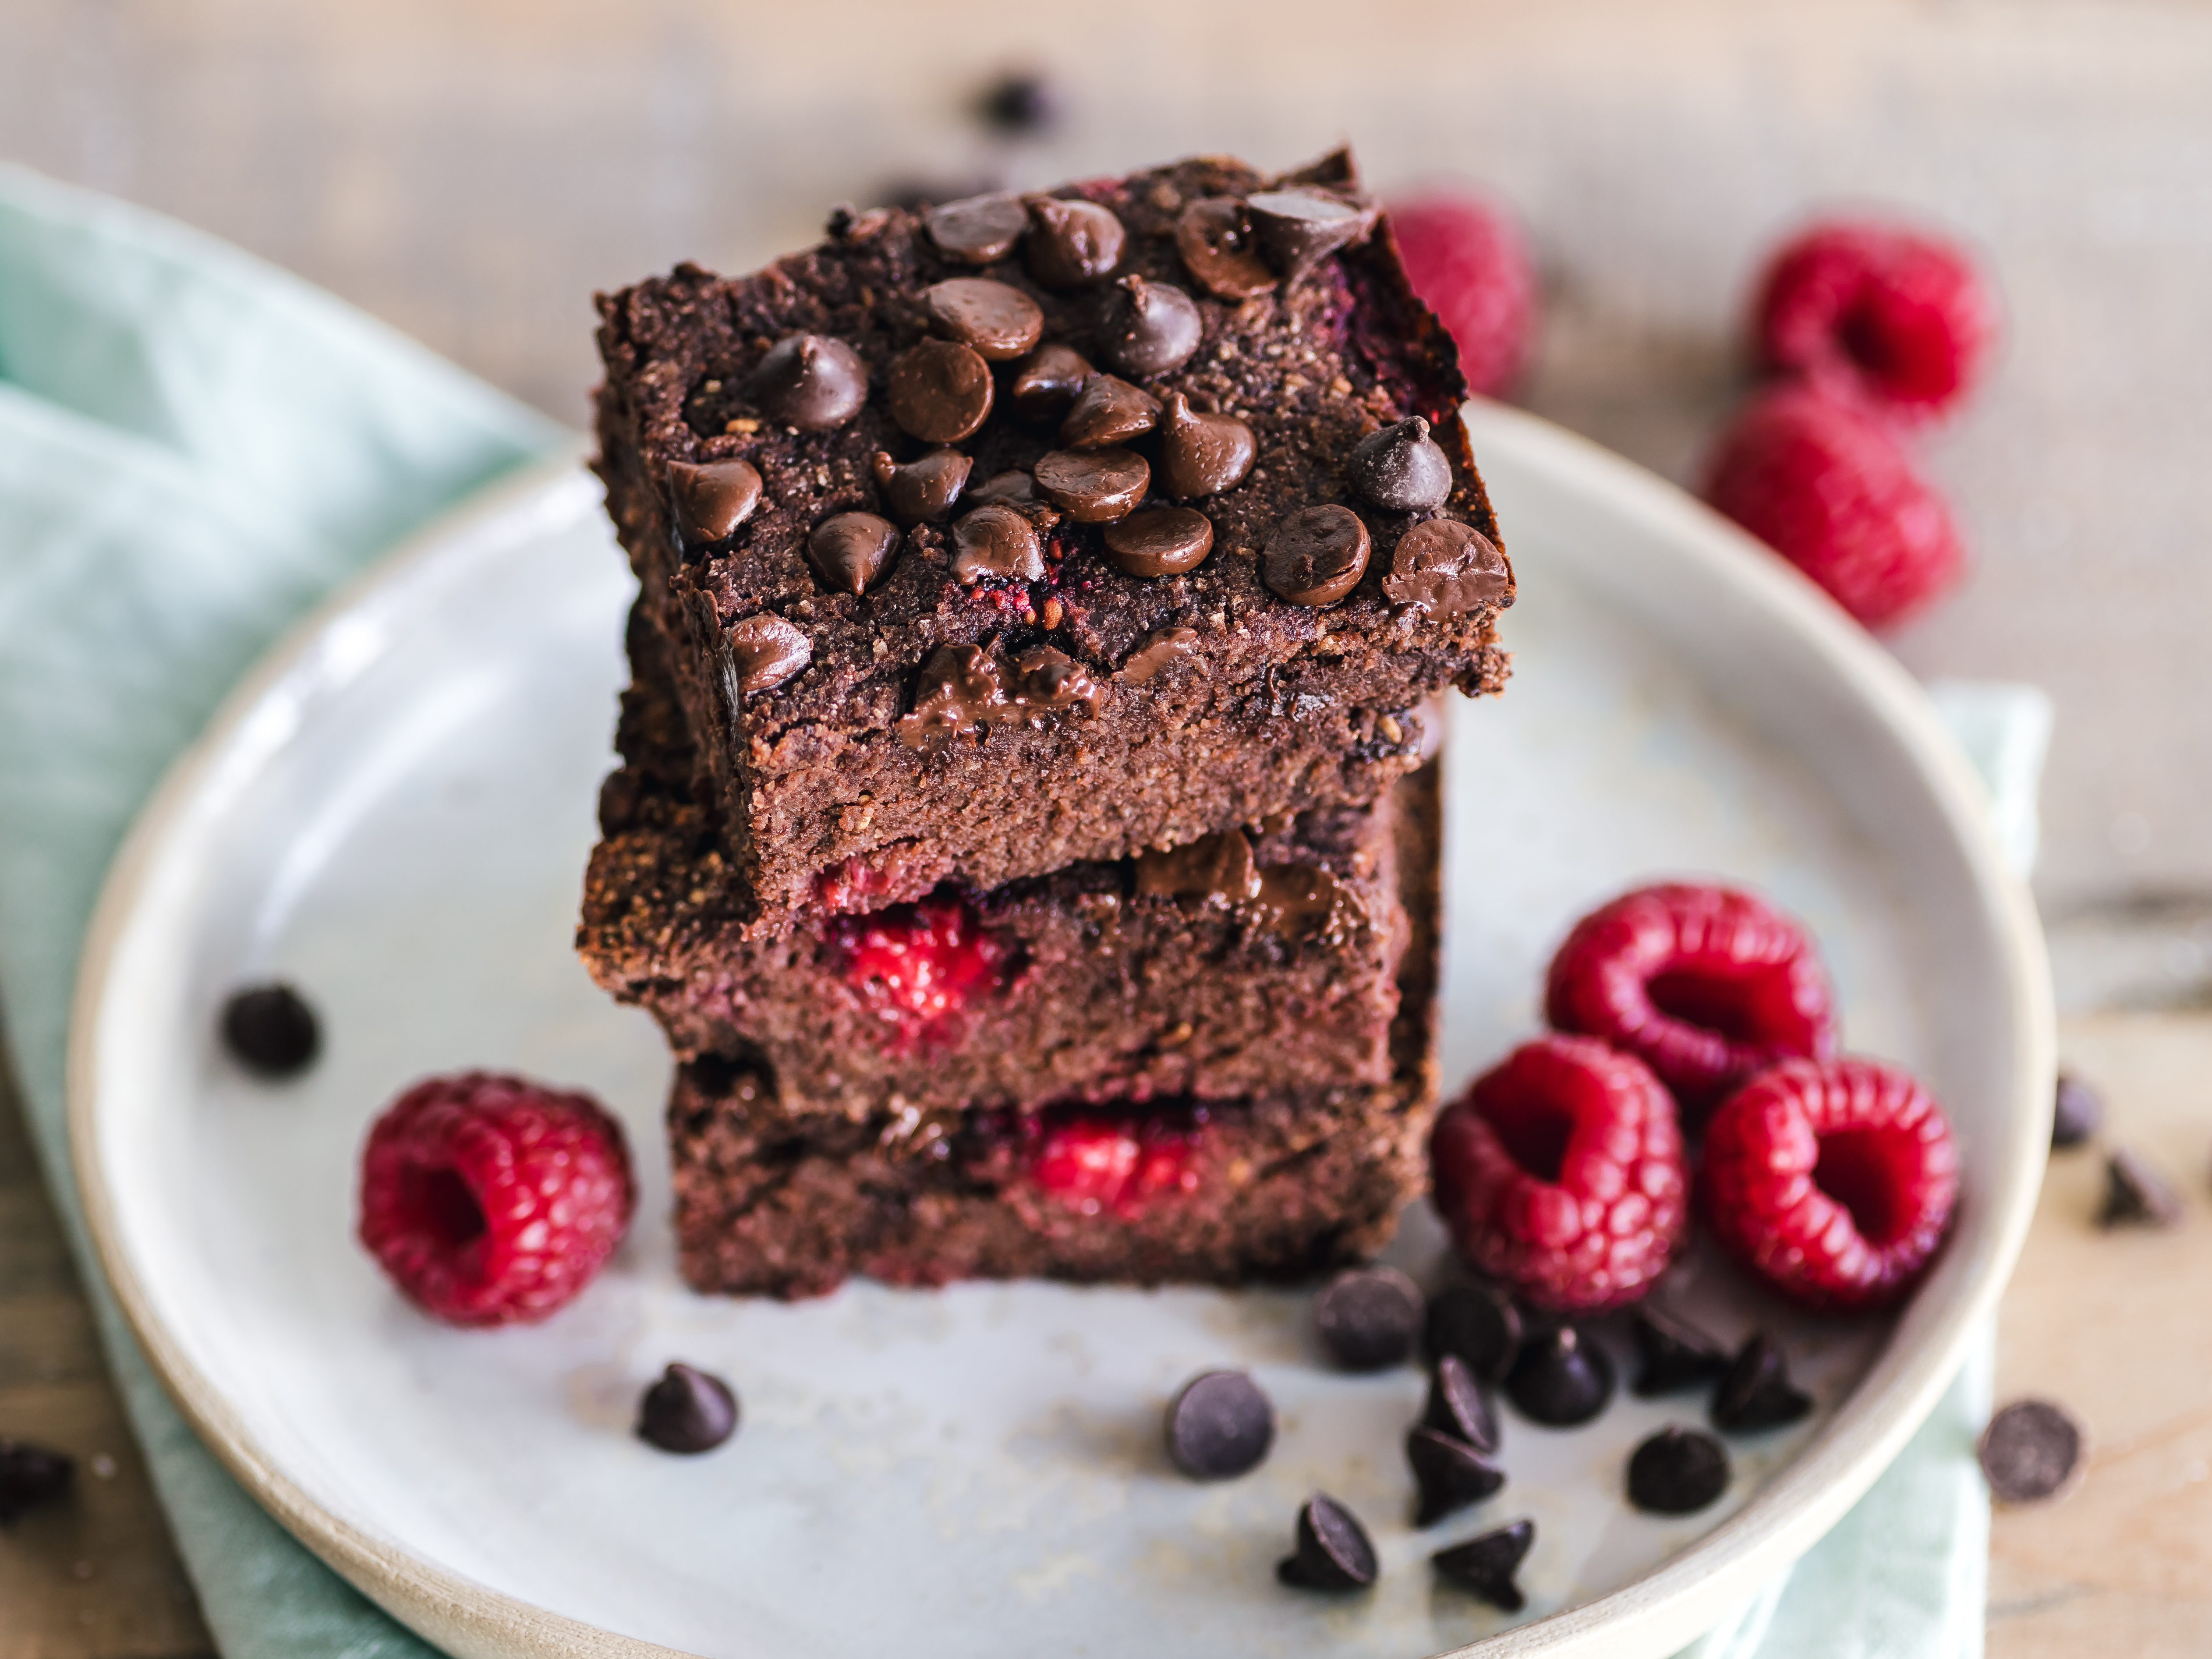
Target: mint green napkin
[{"x": 194, "y": 448}]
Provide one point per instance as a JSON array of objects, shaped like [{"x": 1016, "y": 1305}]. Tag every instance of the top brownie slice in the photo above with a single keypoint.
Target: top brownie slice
[{"x": 1020, "y": 531}]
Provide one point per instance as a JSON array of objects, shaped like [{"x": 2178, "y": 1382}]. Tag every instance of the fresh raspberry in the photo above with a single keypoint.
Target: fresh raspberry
[
  {"x": 1831, "y": 1179},
  {"x": 918, "y": 965},
  {"x": 1706, "y": 985},
  {"x": 1560, "y": 1172},
  {"x": 1829, "y": 488},
  {"x": 1896, "y": 321},
  {"x": 1094, "y": 1163},
  {"x": 1466, "y": 258},
  {"x": 492, "y": 1199}
]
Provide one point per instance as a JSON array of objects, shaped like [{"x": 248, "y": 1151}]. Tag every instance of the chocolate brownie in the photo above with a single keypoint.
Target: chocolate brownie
[{"x": 1020, "y": 532}]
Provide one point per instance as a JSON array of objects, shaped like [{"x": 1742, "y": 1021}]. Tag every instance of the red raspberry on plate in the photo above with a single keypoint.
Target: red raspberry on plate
[
  {"x": 491, "y": 1200},
  {"x": 1833, "y": 1180},
  {"x": 918, "y": 965},
  {"x": 1468, "y": 260},
  {"x": 1706, "y": 985},
  {"x": 1896, "y": 319},
  {"x": 1560, "y": 1172},
  {"x": 1829, "y": 488}
]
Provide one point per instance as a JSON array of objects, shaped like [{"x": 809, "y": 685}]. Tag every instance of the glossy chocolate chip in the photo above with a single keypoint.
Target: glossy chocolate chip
[
  {"x": 1047, "y": 382},
  {"x": 850, "y": 551},
  {"x": 1457, "y": 1405},
  {"x": 713, "y": 498},
  {"x": 996, "y": 322},
  {"x": 765, "y": 651},
  {"x": 1401, "y": 468},
  {"x": 1109, "y": 410},
  {"x": 812, "y": 381},
  {"x": 1150, "y": 329},
  {"x": 1201, "y": 454},
  {"x": 1478, "y": 1324},
  {"x": 1561, "y": 1379},
  {"x": 1161, "y": 541},
  {"x": 940, "y": 391},
  {"x": 1333, "y": 1552},
  {"x": 1160, "y": 649},
  {"x": 1295, "y": 229},
  {"x": 271, "y": 1030},
  {"x": 29, "y": 1476},
  {"x": 1219, "y": 1426},
  {"x": 1093, "y": 486},
  {"x": 1216, "y": 250},
  {"x": 2074, "y": 1114},
  {"x": 1219, "y": 867},
  {"x": 1486, "y": 1565},
  {"x": 1071, "y": 243},
  {"x": 1367, "y": 1318},
  {"x": 958, "y": 689},
  {"x": 1674, "y": 1356},
  {"x": 1049, "y": 679},
  {"x": 1007, "y": 489},
  {"x": 1316, "y": 556},
  {"x": 2029, "y": 1451},
  {"x": 1442, "y": 567},
  {"x": 978, "y": 230},
  {"x": 996, "y": 540},
  {"x": 1756, "y": 1392},
  {"x": 923, "y": 488},
  {"x": 2135, "y": 1194},
  {"x": 688, "y": 1410},
  {"x": 1449, "y": 1474},
  {"x": 1678, "y": 1471}
]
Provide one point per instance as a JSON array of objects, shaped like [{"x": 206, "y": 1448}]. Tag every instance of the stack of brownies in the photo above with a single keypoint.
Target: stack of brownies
[{"x": 1026, "y": 834}]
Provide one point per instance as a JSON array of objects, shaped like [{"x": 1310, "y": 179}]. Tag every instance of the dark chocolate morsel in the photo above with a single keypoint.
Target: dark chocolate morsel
[
  {"x": 271, "y": 1030},
  {"x": 1457, "y": 1405},
  {"x": 1047, "y": 382},
  {"x": 1201, "y": 454},
  {"x": 688, "y": 1410},
  {"x": 1449, "y": 1475},
  {"x": 996, "y": 540},
  {"x": 1756, "y": 1392},
  {"x": 2029, "y": 1451},
  {"x": 923, "y": 488},
  {"x": 1093, "y": 486},
  {"x": 713, "y": 498},
  {"x": 1561, "y": 1379},
  {"x": 940, "y": 391},
  {"x": 958, "y": 689},
  {"x": 2135, "y": 1195},
  {"x": 1295, "y": 229},
  {"x": 1161, "y": 648},
  {"x": 765, "y": 651},
  {"x": 1216, "y": 250},
  {"x": 1072, "y": 243},
  {"x": 1150, "y": 329},
  {"x": 29, "y": 1476},
  {"x": 1022, "y": 102},
  {"x": 1445, "y": 568},
  {"x": 812, "y": 381},
  {"x": 1219, "y": 1424},
  {"x": 850, "y": 551},
  {"x": 978, "y": 230},
  {"x": 1401, "y": 468},
  {"x": 1046, "y": 679},
  {"x": 1675, "y": 1356},
  {"x": 1107, "y": 411},
  {"x": 1217, "y": 867},
  {"x": 1366, "y": 1318},
  {"x": 1007, "y": 489},
  {"x": 1334, "y": 1553},
  {"x": 1317, "y": 555},
  {"x": 1478, "y": 1324},
  {"x": 1486, "y": 1565},
  {"x": 1299, "y": 898},
  {"x": 996, "y": 322},
  {"x": 2075, "y": 1113},
  {"x": 1678, "y": 1471},
  {"x": 1161, "y": 541}
]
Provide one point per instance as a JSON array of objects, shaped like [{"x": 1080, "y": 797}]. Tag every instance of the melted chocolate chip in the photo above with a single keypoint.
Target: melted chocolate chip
[
  {"x": 1160, "y": 649},
  {"x": 765, "y": 651},
  {"x": 1219, "y": 1426},
  {"x": 995, "y": 540},
  {"x": 850, "y": 551},
  {"x": 812, "y": 381},
  {"x": 271, "y": 1030},
  {"x": 1047, "y": 382},
  {"x": 1366, "y": 1318},
  {"x": 924, "y": 489},
  {"x": 1216, "y": 250},
  {"x": 1201, "y": 454},
  {"x": 29, "y": 1476},
  {"x": 1007, "y": 489},
  {"x": 2135, "y": 1195},
  {"x": 1150, "y": 329},
  {"x": 1161, "y": 541},
  {"x": 1457, "y": 1405},
  {"x": 1477, "y": 1324},
  {"x": 1448, "y": 1473},
  {"x": 1212, "y": 868},
  {"x": 1107, "y": 411},
  {"x": 940, "y": 391},
  {"x": 2075, "y": 1113},
  {"x": 1675, "y": 1356},
  {"x": 1049, "y": 680},
  {"x": 1093, "y": 486},
  {"x": 1296, "y": 230},
  {"x": 688, "y": 1410},
  {"x": 713, "y": 498},
  {"x": 2029, "y": 1451},
  {"x": 1071, "y": 243},
  {"x": 1298, "y": 898},
  {"x": 1756, "y": 1392},
  {"x": 996, "y": 322},
  {"x": 1678, "y": 1471},
  {"x": 1334, "y": 1553},
  {"x": 1446, "y": 568},
  {"x": 979, "y": 229},
  {"x": 1317, "y": 555},
  {"x": 1486, "y": 1565},
  {"x": 959, "y": 690},
  {"x": 1561, "y": 1379},
  {"x": 1402, "y": 469}
]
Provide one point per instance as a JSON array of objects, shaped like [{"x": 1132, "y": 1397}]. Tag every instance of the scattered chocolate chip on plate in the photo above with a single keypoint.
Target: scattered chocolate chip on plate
[{"x": 2031, "y": 1450}]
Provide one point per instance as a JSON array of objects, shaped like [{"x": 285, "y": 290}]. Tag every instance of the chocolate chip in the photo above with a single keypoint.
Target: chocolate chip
[
  {"x": 2075, "y": 1114},
  {"x": 1161, "y": 541},
  {"x": 765, "y": 651},
  {"x": 1295, "y": 229},
  {"x": 1298, "y": 898},
  {"x": 1150, "y": 329},
  {"x": 1201, "y": 454},
  {"x": 1161, "y": 648},
  {"x": 1446, "y": 568},
  {"x": 1366, "y": 1318},
  {"x": 2135, "y": 1195},
  {"x": 979, "y": 229},
  {"x": 1019, "y": 103},
  {"x": 940, "y": 391},
  {"x": 1317, "y": 555},
  {"x": 1477, "y": 1323},
  {"x": 1007, "y": 489},
  {"x": 1051, "y": 680},
  {"x": 1561, "y": 1379},
  {"x": 1457, "y": 1405},
  {"x": 1675, "y": 1356},
  {"x": 1093, "y": 486},
  {"x": 271, "y": 1030},
  {"x": 1756, "y": 1392},
  {"x": 688, "y": 1410},
  {"x": 811, "y": 381},
  {"x": 1486, "y": 1565},
  {"x": 1220, "y": 1425},
  {"x": 1401, "y": 468},
  {"x": 1219, "y": 867},
  {"x": 850, "y": 551},
  {"x": 1334, "y": 1553},
  {"x": 2029, "y": 1451},
  {"x": 1216, "y": 250},
  {"x": 1678, "y": 1471},
  {"x": 1071, "y": 243},
  {"x": 958, "y": 689},
  {"x": 1047, "y": 382},
  {"x": 713, "y": 498},
  {"x": 923, "y": 488},
  {"x": 1449, "y": 1474},
  {"x": 30, "y": 1476},
  {"x": 1108, "y": 411},
  {"x": 996, "y": 322},
  {"x": 995, "y": 540}
]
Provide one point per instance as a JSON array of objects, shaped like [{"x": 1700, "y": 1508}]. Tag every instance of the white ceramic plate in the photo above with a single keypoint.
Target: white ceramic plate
[{"x": 394, "y": 813}]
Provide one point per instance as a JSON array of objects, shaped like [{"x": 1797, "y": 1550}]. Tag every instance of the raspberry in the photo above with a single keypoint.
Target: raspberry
[
  {"x": 1560, "y": 1172},
  {"x": 1897, "y": 321},
  {"x": 1468, "y": 260},
  {"x": 1706, "y": 985},
  {"x": 1830, "y": 488},
  {"x": 918, "y": 965},
  {"x": 1833, "y": 1180},
  {"x": 492, "y": 1199},
  {"x": 1094, "y": 1163}
]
